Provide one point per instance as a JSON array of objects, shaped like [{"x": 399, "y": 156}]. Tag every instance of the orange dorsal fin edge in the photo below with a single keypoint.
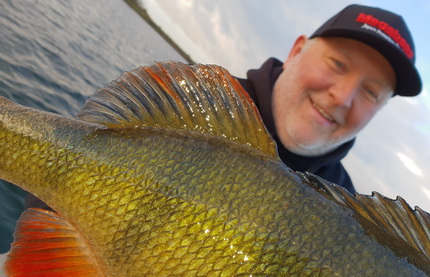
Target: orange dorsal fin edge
[
  {"x": 394, "y": 217},
  {"x": 201, "y": 98},
  {"x": 47, "y": 245}
]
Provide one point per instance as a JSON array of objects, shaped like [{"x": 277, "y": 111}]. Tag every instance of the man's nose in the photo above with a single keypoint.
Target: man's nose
[{"x": 343, "y": 93}]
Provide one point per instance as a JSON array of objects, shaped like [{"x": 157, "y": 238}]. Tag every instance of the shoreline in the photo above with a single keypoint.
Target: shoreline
[{"x": 145, "y": 16}]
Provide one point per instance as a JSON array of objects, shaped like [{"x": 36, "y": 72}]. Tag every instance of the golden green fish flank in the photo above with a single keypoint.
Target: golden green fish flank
[
  {"x": 154, "y": 201},
  {"x": 222, "y": 210}
]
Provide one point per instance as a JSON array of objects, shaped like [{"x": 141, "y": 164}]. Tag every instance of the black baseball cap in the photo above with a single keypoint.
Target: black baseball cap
[{"x": 387, "y": 33}]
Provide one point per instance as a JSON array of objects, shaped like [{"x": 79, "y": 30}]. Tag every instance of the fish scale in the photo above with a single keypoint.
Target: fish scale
[
  {"x": 165, "y": 207},
  {"x": 158, "y": 201}
]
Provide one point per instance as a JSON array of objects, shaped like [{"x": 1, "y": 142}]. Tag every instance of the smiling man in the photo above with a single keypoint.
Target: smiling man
[{"x": 331, "y": 85}]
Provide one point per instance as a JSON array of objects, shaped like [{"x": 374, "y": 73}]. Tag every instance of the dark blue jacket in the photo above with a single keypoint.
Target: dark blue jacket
[{"x": 259, "y": 84}]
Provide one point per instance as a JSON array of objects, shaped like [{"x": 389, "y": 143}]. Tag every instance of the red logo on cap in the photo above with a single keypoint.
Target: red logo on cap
[{"x": 387, "y": 29}]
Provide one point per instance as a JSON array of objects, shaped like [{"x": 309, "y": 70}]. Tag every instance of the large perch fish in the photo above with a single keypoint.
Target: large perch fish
[{"x": 170, "y": 171}]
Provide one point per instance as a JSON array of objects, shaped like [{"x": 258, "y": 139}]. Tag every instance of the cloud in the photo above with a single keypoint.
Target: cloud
[
  {"x": 241, "y": 34},
  {"x": 391, "y": 150}
]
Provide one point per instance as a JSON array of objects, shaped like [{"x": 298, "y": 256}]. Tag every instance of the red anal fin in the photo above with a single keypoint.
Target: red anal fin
[{"x": 47, "y": 245}]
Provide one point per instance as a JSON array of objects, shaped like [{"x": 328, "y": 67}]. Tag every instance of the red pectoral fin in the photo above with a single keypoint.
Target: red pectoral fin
[{"x": 47, "y": 245}]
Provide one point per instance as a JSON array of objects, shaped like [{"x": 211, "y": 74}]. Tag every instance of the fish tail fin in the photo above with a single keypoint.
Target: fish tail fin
[{"x": 47, "y": 245}]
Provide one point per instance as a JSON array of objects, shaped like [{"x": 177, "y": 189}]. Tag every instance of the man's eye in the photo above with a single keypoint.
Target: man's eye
[
  {"x": 339, "y": 66},
  {"x": 371, "y": 94}
]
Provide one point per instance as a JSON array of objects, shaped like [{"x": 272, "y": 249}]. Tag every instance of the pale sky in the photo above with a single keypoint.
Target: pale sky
[{"x": 392, "y": 154}]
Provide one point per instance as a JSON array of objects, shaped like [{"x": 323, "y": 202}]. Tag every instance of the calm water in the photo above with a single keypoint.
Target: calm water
[{"x": 54, "y": 54}]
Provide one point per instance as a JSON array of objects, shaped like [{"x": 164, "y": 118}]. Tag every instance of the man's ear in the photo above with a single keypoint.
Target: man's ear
[{"x": 297, "y": 47}]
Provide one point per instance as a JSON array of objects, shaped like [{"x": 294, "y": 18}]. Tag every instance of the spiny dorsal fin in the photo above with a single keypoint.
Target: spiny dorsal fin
[
  {"x": 47, "y": 245},
  {"x": 201, "y": 98},
  {"x": 395, "y": 217}
]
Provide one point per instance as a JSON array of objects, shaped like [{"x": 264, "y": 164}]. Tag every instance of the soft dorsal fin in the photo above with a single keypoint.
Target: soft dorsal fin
[
  {"x": 201, "y": 98},
  {"x": 395, "y": 217},
  {"x": 47, "y": 245}
]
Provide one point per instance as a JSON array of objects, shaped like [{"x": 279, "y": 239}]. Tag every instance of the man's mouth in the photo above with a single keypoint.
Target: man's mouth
[{"x": 323, "y": 113}]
